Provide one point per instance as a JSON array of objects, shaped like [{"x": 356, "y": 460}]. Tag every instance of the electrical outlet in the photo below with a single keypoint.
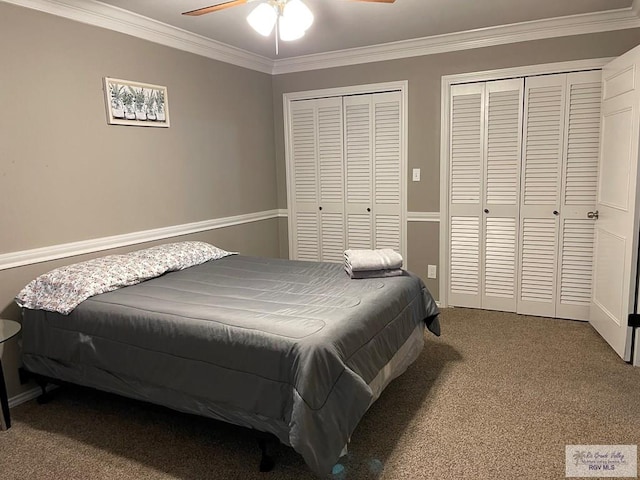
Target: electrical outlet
[{"x": 432, "y": 271}]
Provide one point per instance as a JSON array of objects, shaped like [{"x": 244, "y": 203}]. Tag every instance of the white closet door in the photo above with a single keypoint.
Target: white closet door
[
  {"x": 540, "y": 195},
  {"x": 331, "y": 179},
  {"x": 578, "y": 196},
  {"x": 503, "y": 121},
  {"x": 317, "y": 171},
  {"x": 358, "y": 127},
  {"x": 304, "y": 173},
  {"x": 387, "y": 181},
  {"x": 466, "y": 146}
]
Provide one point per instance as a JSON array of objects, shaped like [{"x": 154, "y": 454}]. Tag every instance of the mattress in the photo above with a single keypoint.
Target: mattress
[{"x": 293, "y": 348}]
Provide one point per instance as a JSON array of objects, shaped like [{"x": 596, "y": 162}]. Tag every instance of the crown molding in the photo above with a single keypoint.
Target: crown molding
[
  {"x": 55, "y": 252},
  {"x": 119, "y": 20},
  {"x": 483, "y": 37},
  {"x": 101, "y": 15}
]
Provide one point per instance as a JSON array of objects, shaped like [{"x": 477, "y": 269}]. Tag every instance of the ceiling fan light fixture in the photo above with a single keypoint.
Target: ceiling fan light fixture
[
  {"x": 298, "y": 13},
  {"x": 263, "y": 18},
  {"x": 288, "y": 29}
]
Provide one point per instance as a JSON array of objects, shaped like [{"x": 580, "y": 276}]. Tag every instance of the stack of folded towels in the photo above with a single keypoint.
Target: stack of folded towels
[{"x": 372, "y": 263}]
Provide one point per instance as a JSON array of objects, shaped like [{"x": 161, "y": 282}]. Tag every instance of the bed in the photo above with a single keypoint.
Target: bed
[{"x": 296, "y": 349}]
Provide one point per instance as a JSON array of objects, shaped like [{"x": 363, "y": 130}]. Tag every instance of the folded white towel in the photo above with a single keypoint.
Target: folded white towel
[
  {"x": 381, "y": 259},
  {"x": 396, "y": 272}
]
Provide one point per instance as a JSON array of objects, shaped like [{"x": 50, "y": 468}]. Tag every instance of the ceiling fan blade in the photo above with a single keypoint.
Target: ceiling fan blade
[{"x": 215, "y": 8}]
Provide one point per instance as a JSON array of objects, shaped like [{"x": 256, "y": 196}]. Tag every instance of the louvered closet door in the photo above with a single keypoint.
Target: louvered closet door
[
  {"x": 503, "y": 121},
  {"x": 387, "y": 181},
  {"x": 359, "y": 148},
  {"x": 317, "y": 170},
  {"x": 578, "y": 196},
  {"x": 331, "y": 179},
  {"x": 304, "y": 173},
  {"x": 466, "y": 146},
  {"x": 540, "y": 195}
]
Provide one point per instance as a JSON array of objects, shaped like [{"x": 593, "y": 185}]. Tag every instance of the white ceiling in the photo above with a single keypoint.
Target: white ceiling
[{"x": 345, "y": 24}]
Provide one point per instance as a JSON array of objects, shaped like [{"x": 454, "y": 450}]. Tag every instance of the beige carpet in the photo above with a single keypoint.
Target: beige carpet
[{"x": 498, "y": 396}]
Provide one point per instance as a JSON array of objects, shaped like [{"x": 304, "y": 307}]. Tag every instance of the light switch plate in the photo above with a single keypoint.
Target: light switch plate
[
  {"x": 432, "y": 271},
  {"x": 416, "y": 174}
]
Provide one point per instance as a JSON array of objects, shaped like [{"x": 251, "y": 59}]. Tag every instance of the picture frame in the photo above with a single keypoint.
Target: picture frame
[{"x": 135, "y": 103}]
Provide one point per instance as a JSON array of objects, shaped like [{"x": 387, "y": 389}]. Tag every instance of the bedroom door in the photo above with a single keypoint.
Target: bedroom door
[{"x": 616, "y": 214}]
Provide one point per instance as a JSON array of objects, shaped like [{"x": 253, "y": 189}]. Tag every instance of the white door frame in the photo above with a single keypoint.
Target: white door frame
[
  {"x": 403, "y": 87},
  {"x": 445, "y": 95}
]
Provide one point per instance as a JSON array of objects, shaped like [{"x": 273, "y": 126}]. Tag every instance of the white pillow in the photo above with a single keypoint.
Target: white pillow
[{"x": 63, "y": 289}]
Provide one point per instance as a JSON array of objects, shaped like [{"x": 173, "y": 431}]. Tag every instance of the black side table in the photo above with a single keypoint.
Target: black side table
[{"x": 8, "y": 329}]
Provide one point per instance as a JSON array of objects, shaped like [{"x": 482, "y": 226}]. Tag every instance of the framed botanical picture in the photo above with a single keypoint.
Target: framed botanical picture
[{"x": 135, "y": 103}]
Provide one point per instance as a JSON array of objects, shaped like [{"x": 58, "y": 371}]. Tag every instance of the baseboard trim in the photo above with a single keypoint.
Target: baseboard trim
[
  {"x": 30, "y": 394},
  {"x": 55, "y": 252}
]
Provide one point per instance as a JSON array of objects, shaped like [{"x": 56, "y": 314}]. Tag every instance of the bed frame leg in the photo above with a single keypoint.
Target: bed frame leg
[
  {"x": 266, "y": 462},
  {"x": 45, "y": 396}
]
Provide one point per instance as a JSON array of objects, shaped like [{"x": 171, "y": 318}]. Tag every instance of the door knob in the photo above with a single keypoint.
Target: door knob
[
  {"x": 368, "y": 209},
  {"x": 319, "y": 208},
  {"x": 593, "y": 215},
  {"x": 486, "y": 210},
  {"x": 555, "y": 212}
]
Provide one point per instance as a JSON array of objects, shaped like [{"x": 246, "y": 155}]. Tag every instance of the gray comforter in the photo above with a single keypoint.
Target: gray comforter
[{"x": 282, "y": 346}]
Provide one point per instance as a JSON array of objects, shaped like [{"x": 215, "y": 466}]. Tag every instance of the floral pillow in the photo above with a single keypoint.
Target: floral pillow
[
  {"x": 178, "y": 256},
  {"x": 63, "y": 289}
]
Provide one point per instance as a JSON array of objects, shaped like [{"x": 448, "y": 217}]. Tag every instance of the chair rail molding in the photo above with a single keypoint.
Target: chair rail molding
[
  {"x": 423, "y": 216},
  {"x": 55, "y": 252}
]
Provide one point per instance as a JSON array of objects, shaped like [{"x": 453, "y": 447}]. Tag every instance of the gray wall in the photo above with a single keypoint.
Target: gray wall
[
  {"x": 424, "y": 76},
  {"x": 67, "y": 176},
  {"x": 70, "y": 176}
]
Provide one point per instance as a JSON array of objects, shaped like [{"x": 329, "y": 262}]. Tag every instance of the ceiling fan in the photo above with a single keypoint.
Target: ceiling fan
[{"x": 291, "y": 18}]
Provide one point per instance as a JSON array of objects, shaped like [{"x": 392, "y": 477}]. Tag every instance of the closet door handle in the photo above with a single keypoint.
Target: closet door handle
[
  {"x": 486, "y": 210},
  {"x": 555, "y": 212},
  {"x": 593, "y": 215},
  {"x": 368, "y": 209},
  {"x": 319, "y": 208}
]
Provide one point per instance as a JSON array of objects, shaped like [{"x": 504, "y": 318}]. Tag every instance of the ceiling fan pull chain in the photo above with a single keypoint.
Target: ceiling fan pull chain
[{"x": 277, "y": 34}]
